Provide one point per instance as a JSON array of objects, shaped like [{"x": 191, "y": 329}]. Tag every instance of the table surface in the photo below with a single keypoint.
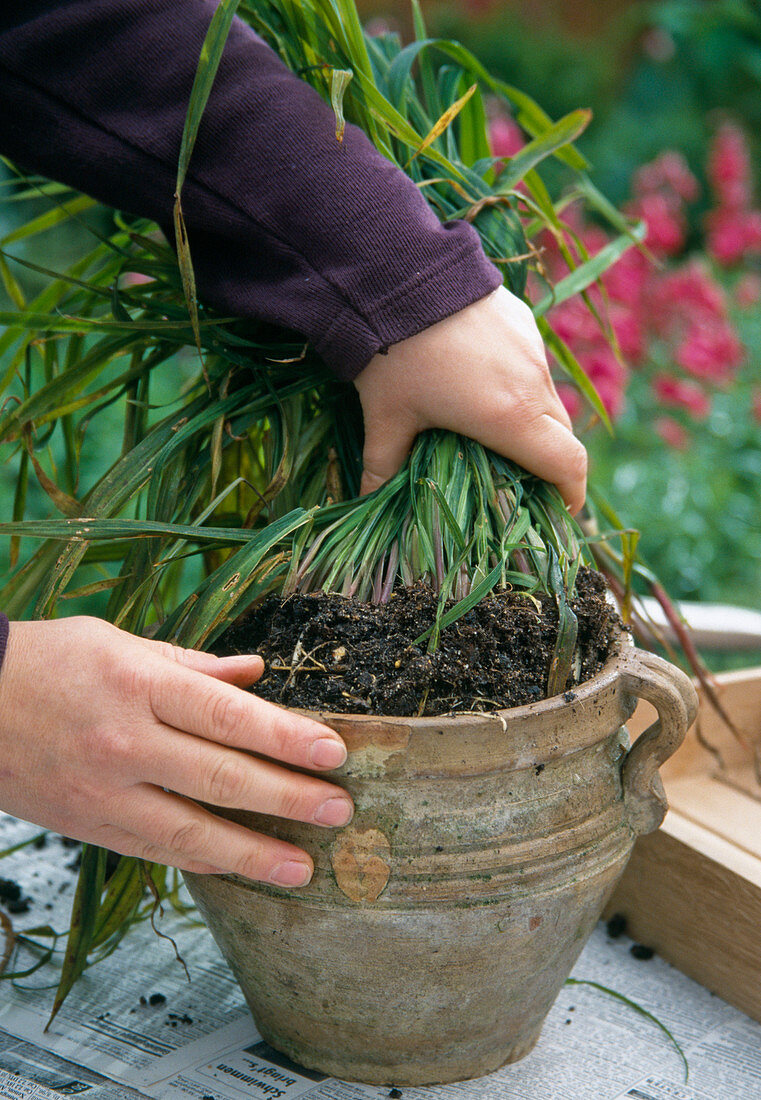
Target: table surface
[{"x": 595, "y": 1045}]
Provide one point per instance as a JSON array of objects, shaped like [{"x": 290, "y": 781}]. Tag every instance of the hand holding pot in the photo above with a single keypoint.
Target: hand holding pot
[
  {"x": 481, "y": 372},
  {"x": 107, "y": 737}
]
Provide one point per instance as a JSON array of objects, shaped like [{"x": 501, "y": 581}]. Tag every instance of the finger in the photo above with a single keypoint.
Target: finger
[
  {"x": 129, "y": 844},
  {"x": 224, "y": 777},
  {"x": 387, "y": 446},
  {"x": 242, "y": 669},
  {"x": 548, "y": 449},
  {"x": 220, "y": 712},
  {"x": 174, "y": 830},
  {"x": 559, "y": 457}
]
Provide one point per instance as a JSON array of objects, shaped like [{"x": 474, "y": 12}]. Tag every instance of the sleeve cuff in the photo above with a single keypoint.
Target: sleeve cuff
[{"x": 351, "y": 340}]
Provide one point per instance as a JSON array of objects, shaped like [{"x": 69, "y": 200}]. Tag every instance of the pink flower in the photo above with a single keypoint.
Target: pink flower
[
  {"x": 669, "y": 171},
  {"x": 710, "y": 351},
  {"x": 733, "y": 234},
  {"x": 574, "y": 324},
  {"x": 658, "y": 44},
  {"x": 753, "y": 231},
  {"x": 555, "y": 267},
  {"x": 748, "y": 290},
  {"x": 625, "y": 281},
  {"x": 672, "y": 433},
  {"x": 593, "y": 238},
  {"x": 729, "y": 166},
  {"x": 573, "y": 217},
  {"x": 666, "y": 229},
  {"x": 577, "y": 326},
  {"x": 505, "y": 136},
  {"x": 612, "y": 396},
  {"x": 678, "y": 310},
  {"x": 608, "y": 376},
  {"x": 682, "y": 394},
  {"x": 602, "y": 364},
  {"x": 684, "y": 296},
  {"x": 678, "y": 176},
  {"x": 629, "y": 332}
]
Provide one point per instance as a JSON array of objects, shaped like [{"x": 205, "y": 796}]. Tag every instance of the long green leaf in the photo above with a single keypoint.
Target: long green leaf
[
  {"x": 574, "y": 370},
  {"x": 120, "y": 902},
  {"x": 530, "y": 116},
  {"x": 83, "y": 917},
  {"x": 589, "y": 272},
  {"x": 640, "y": 1010},
  {"x": 49, "y": 219},
  {"x": 568, "y": 629},
  {"x": 557, "y": 136},
  {"x": 208, "y": 64},
  {"x": 84, "y": 529}
]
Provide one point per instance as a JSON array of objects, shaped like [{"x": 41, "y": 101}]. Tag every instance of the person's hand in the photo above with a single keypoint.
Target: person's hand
[
  {"x": 107, "y": 738},
  {"x": 483, "y": 373}
]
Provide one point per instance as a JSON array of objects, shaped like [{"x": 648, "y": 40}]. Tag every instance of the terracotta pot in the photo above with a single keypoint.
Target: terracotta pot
[{"x": 442, "y": 922}]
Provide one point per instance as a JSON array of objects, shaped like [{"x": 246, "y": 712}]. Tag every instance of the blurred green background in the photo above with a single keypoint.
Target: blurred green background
[{"x": 658, "y": 77}]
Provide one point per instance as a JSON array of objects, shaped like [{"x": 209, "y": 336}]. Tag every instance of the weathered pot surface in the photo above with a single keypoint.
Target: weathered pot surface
[{"x": 442, "y": 922}]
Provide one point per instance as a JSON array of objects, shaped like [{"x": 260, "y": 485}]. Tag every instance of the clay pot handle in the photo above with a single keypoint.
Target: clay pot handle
[{"x": 671, "y": 692}]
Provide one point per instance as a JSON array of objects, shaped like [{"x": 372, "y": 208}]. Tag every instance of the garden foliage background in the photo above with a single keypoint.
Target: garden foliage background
[{"x": 675, "y": 90}]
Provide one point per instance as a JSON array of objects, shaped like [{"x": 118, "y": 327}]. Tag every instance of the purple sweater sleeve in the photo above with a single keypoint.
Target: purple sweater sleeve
[{"x": 285, "y": 224}]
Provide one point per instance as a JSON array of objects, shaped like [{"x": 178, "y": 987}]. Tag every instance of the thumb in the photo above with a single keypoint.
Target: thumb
[{"x": 386, "y": 448}]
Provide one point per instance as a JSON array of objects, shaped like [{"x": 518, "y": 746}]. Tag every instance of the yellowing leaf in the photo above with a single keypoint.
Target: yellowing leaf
[
  {"x": 65, "y": 504},
  {"x": 439, "y": 127},
  {"x": 186, "y": 269}
]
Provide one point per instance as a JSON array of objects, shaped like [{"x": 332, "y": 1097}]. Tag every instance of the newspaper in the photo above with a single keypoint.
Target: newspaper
[
  {"x": 28, "y": 1071},
  {"x": 135, "y": 1026}
]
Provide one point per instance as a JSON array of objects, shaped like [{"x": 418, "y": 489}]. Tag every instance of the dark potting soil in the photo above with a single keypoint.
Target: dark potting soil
[
  {"x": 12, "y": 897},
  {"x": 329, "y": 652},
  {"x": 641, "y": 952}
]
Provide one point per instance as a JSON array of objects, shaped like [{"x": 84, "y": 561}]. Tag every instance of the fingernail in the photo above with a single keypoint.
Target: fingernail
[
  {"x": 326, "y": 752},
  {"x": 336, "y": 811},
  {"x": 291, "y": 873}
]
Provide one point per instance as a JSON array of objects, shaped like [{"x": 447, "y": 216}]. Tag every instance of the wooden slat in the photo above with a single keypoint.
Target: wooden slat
[
  {"x": 719, "y": 808},
  {"x": 697, "y": 901},
  {"x": 692, "y": 890}
]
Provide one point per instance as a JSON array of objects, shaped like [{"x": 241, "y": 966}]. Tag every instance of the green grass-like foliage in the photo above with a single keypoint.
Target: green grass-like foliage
[{"x": 247, "y": 482}]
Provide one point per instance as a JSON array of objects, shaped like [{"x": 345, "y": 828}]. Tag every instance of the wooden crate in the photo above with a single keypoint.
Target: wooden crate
[{"x": 692, "y": 890}]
